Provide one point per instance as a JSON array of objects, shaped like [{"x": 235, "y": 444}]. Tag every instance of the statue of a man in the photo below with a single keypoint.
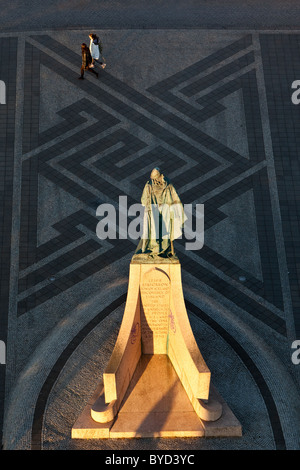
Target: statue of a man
[{"x": 163, "y": 218}]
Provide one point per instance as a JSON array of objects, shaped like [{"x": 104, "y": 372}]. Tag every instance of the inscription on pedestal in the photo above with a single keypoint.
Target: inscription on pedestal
[{"x": 155, "y": 297}]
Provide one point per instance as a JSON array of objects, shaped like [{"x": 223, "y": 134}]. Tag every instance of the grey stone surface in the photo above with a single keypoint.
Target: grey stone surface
[
  {"x": 194, "y": 102},
  {"x": 177, "y": 14}
]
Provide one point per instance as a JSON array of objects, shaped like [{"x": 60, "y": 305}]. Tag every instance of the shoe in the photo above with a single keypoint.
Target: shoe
[{"x": 80, "y": 78}]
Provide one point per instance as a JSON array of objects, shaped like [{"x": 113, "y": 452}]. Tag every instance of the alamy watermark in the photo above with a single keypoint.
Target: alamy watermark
[
  {"x": 296, "y": 94},
  {"x": 296, "y": 354},
  {"x": 2, "y": 101},
  {"x": 2, "y": 92},
  {"x": 2, "y": 352},
  {"x": 137, "y": 222}
]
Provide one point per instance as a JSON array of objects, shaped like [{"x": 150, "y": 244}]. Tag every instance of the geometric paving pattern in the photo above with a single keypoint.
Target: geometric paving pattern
[
  {"x": 205, "y": 126},
  {"x": 232, "y": 166}
]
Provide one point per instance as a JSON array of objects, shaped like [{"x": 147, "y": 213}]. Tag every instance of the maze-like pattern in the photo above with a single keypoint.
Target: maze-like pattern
[{"x": 100, "y": 160}]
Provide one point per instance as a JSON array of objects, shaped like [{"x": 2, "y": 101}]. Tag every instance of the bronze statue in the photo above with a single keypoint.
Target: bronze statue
[{"x": 163, "y": 219}]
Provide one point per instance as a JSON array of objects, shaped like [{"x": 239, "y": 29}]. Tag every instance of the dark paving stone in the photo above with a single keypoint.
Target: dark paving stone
[
  {"x": 281, "y": 68},
  {"x": 8, "y": 54}
]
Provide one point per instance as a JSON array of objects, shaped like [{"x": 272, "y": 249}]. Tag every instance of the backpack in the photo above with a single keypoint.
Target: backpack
[{"x": 97, "y": 42}]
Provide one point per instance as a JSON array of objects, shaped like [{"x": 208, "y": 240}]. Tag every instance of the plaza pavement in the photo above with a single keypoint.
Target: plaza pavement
[{"x": 213, "y": 109}]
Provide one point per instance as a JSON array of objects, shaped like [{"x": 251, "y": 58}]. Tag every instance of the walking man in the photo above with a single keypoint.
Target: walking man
[{"x": 86, "y": 61}]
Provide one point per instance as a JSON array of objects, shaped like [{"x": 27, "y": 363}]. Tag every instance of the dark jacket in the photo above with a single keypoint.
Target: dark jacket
[{"x": 86, "y": 57}]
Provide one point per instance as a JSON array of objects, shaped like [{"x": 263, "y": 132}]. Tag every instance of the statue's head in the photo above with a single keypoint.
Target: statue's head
[
  {"x": 157, "y": 178},
  {"x": 155, "y": 173}
]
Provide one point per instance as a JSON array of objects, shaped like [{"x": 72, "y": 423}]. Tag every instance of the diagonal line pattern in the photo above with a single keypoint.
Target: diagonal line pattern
[{"x": 165, "y": 126}]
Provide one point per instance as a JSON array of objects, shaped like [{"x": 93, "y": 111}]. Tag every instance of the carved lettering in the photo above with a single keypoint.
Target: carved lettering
[{"x": 155, "y": 295}]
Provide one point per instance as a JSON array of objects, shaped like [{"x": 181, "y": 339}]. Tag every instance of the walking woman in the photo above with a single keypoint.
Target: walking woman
[{"x": 95, "y": 48}]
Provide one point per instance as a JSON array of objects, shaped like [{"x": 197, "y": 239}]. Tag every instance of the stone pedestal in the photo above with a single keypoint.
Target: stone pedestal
[{"x": 156, "y": 383}]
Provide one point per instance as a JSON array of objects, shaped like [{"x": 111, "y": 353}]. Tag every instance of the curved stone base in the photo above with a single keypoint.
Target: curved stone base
[
  {"x": 156, "y": 405},
  {"x": 156, "y": 383}
]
